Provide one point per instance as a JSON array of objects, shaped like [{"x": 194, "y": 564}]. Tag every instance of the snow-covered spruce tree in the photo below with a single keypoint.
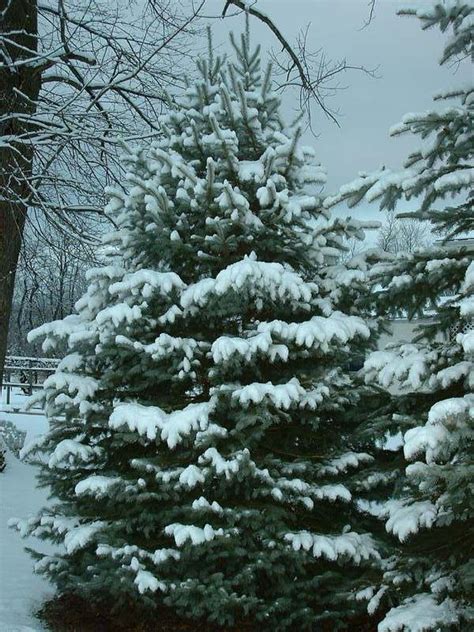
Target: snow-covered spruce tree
[
  {"x": 432, "y": 513},
  {"x": 203, "y": 434}
]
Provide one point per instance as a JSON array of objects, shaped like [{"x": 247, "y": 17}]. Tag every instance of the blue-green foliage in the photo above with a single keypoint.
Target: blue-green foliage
[
  {"x": 430, "y": 584},
  {"x": 203, "y": 447}
]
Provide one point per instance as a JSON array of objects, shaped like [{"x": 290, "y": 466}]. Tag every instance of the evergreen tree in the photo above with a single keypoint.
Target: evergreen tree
[
  {"x": 203, "y": 435},
  {"x": 430, "y": 585}
]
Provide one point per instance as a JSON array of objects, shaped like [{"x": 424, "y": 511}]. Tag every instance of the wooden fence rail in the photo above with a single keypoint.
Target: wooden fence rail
[{"x": 27, "y": 374}]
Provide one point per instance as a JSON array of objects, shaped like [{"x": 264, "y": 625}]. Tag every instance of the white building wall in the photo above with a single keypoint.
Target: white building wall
[{"x": 402, "y": 330}]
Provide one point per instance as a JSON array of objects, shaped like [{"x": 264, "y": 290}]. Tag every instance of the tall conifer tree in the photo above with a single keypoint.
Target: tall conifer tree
[
  {"x": 430, "y": 584},
  {"x": 203, "y": 435}
]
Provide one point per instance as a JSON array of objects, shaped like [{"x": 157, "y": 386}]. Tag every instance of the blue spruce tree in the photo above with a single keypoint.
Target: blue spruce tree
[
  {"x": 203, "y": 449},
  {"x": 429, "y": 584}
]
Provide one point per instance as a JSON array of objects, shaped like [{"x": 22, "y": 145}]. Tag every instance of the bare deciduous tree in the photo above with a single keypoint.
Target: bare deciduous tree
[
  {"x": 75, "y": 74},
  {"x": 402, "y": 235},
  {"x": 296, "y": 65},
  {"x": 50, "y": 278},
  {"x": 353, "y": 247}
]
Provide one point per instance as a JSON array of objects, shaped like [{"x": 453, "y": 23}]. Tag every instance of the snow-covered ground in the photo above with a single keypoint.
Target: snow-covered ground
[{"x": 21, "y": 591}]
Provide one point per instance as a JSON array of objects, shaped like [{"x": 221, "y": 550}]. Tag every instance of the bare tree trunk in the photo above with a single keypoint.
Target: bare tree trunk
[{"x": 19, "y": 89}]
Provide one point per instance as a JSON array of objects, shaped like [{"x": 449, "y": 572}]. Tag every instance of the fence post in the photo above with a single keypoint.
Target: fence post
[
  {"x": 28, "y": 373},
  {"x": 8, "y": 387},
  {"x": 30, "y": 377}
]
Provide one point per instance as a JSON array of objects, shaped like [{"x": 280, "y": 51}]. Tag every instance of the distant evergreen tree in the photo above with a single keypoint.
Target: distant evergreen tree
[
  {"x": 430, "y": 585},
  {"x": 203, "y": 446}
]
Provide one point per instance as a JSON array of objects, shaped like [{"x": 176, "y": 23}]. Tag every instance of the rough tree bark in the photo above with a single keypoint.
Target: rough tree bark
[{"x": 19, "y": 89}]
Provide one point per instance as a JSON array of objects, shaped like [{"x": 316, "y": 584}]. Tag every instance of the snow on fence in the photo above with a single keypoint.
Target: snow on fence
[{"x": 26, "y": 374}]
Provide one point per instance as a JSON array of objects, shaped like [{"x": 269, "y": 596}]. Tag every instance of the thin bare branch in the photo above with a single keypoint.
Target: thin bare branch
[{"x": 311, "y": 72}]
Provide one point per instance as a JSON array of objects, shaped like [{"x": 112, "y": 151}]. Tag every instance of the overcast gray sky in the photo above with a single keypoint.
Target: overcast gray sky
[{"x": 408, "y": 76}]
